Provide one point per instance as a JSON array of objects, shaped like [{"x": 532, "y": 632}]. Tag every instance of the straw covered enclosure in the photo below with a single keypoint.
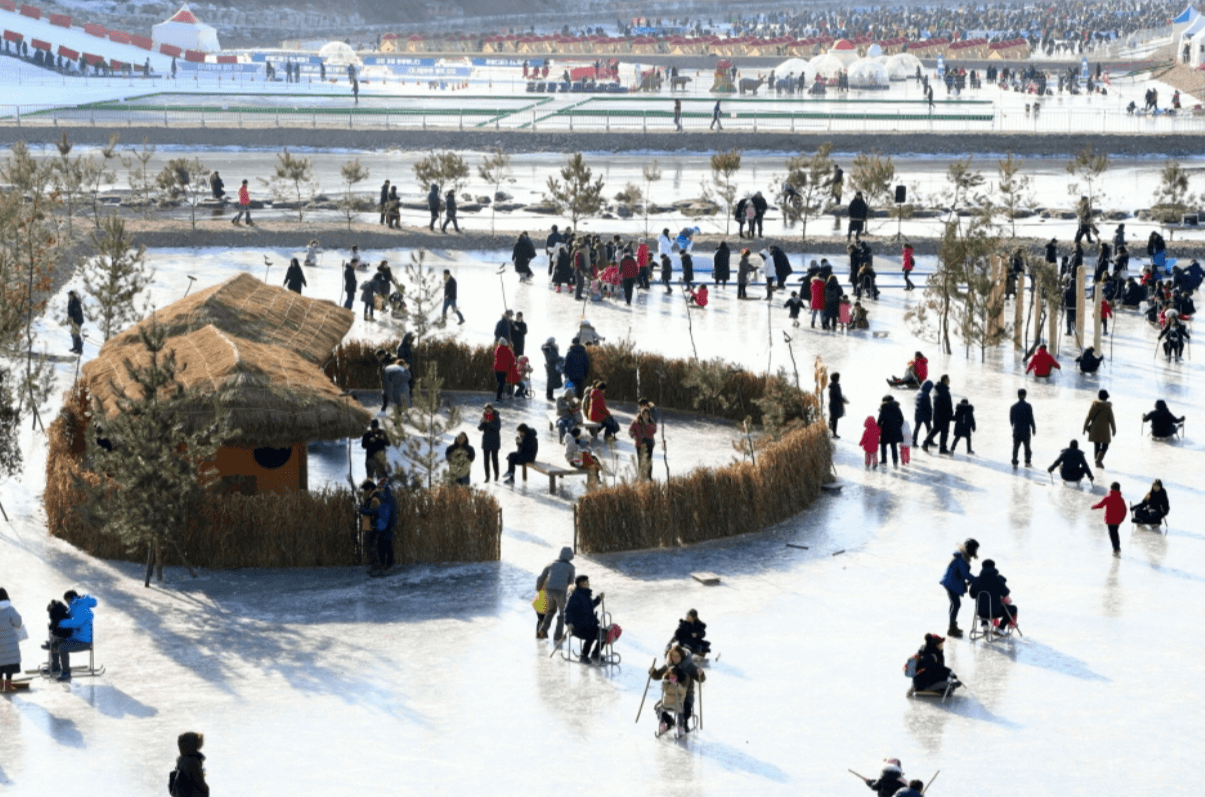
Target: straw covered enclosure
[
  {"x": 708, "y": 503},
  {"x": 291, "y": 529}
]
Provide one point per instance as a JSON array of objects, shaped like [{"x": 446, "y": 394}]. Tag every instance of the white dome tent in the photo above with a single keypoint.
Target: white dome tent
[
  {"x": 338, "y": 53},
  {"x": 867, "y": 72},
  {"x": 184, "y": 30},
  {"x": 902, "y": 66},
  {"x": 826, "y": 65}
]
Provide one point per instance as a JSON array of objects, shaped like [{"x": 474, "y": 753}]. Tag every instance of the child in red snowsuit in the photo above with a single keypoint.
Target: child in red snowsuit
[
  {"x": 870, "y": 442},
  {"x": 1115, "y": 514}
]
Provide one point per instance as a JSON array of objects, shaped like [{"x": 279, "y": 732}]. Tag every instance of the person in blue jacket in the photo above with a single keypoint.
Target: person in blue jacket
[
  {"x": 79, "y": 622},
  {"x": 958, "y": 575},
  {"x": 577, "y": 366},
  {"x": 581, "y": 619},
  {"x": 378, "y": 507}
]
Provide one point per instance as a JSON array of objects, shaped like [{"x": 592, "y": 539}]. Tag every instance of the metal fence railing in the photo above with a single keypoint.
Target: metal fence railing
[{"x": 586, "y": 117}]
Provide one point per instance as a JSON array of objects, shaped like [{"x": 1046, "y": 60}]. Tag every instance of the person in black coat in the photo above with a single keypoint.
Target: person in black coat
[
  {"x": 943, "y": 413},
  {"x": 1163, "y": 423},
  {"x": 1052, "y": 252},
  {"x": 526, "y": 449},
  {"x": 890, "y": 780},
  {"x": 384, "y": 199},
  {"x": 1088, "y": 362},
  {"x": 923, "y": 416},
  {"x": 190, "y": 771},
  {"x": 1072, "y": 464},
  {"x": 75, "y": 315},
  {"x": 782, "y": 265},
  {"x": 450, "y": 215},
  {"x": 503, "y": 329},
  {"x": 1069, "y": 307},
  {"x": 552, "y": 364},
  {"x": 1020, "y": 417},
  {"x": 518, "y": 334},
  {"x": 964, "y": 424},
  {"x": 217, "y": 186},
  {"x": 491, "y": 439},
  {"x": 690, "y": 633},
  {"x": 891, "y": 429},
  {"x": 433, "y": 206},
  {"x": 857, "y": 216},
  {"x": 836, "y": 403},
  {"x": 832, "y": 302},
  {"x": 989, "y": 589},
  {"x": 294, "y": 279},
  {"x": 522, "y": 254},
  {"x": 1133, "y": 295},
  {"x": 349, "y": 284},
  {"x": 688, "y": 270},
  {"x": 759, "y": 213},
  {"x": 932, "y": 674},
  {"x": 1153, "y": 507},
  {"x": 721, "y": 269},
  {"x": 581, "y": 619}
]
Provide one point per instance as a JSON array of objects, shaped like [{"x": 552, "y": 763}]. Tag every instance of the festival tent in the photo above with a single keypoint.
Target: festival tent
[
  {"x": 844, "y": 50},
  {"x": 827, "y": 66},
  {"x": 184, "y": 30},
  {"x": 902, "y": 66},
  {"x": 794, "y": 66},
  {"x": 867, "y": 72},
  {"x": 1186, "y": 52},
  {"x": 338, "y": 53}
]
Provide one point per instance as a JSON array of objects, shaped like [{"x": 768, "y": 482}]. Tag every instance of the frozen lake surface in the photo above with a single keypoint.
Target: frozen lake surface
[{"x": 322, "y": 682}]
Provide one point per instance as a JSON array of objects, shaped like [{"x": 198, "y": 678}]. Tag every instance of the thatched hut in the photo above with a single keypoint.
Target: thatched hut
[{"x": 255, "y": 353}]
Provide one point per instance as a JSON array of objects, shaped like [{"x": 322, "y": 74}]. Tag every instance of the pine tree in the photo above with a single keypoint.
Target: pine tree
[
  {"x": 724, "y": 166},
  {"x": 186, "y": 180},
  {"x": 577, "y": 193},
  {"x": 10, "y": 452},
  {"x": 138, "y": 167},
  {"x": 1172, "y": 198},
  {"x": 154, "y": 460},
  {"x": 495, "y": 170},
  {"x": 1014, "y": 189},
  {"x": 68, "y": 178},
  {"x": 806, "y": 174},
  {"x": 424, "y": 298},
  {"x": 418, "y": 431},
  {"x": 445, "y": 169},
  {"x": 652, "y": 174},
  {"x": 293, "y": 180},
  {"x": 873, "y": 175},
  {"x": 353, "y": 172},
  {"x": 115, "y": 277},
  {"x": 96, "y": 172},
  {"x": 1086, "y": 170}
]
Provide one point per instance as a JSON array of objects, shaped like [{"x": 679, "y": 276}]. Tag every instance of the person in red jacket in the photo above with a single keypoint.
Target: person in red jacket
[
  {"x": 1041, "y": 362},
  {"x": 1115, "y": 514},
  {"x": 504, "y": 363},
  {"x": 1106, "y": 312},
  {"x": 244, "y": 205},
  {"x": 817, "y": 289},
  {"x": 915, "y": 374},
  {"x": 628, "y": 271},
  {"x": 908, "y": 265},
  {"x": 597, "y": 411}
]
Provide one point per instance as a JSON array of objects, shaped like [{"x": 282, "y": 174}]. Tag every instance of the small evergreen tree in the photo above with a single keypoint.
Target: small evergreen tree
[
  {"x": 68, "y": 178},
  {"x": 495, "y": 170},
  {"x": 1086, "y": 170},
  {"x": 962, "y": 180},
  {"x": 424, "y": 297},
  {"x": 96, "y": 172},
  {"x": 577, "y": 194},
  {"x": 724, "y": 166},
  {"x": 10, "y": 451},
  {"x": 353, "y": 172},
  {"x": 873, "y": 175},
  {"x": 652, "y": 174},
  {"x": 418, "y": 430},
  {"x": 154, "y": 460},
  {"x": 138, "y": 168},
  {"x": 806, "y": 174},
  {"x": 185, "y": 180},
  {"x": 115, "y": 277},
  {"x": 1014, "y": 189},
  {"x": 931, "y": 318},
  {"x": 445, "y": 169},
  {"x": 1172, "y": 198},
  {"x": 293, "y": 179}
]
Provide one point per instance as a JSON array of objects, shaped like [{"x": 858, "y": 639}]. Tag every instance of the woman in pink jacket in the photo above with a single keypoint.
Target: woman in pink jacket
[{"x": 1115, "y": 514}]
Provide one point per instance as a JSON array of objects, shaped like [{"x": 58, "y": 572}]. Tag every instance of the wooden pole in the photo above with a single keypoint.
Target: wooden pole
[
  {"x": 1019, "y": 313},
  {"x": 1096, "y": 300},
  {"x": 1080, "y": 306},
  {"x": 1052, "y": 334}
]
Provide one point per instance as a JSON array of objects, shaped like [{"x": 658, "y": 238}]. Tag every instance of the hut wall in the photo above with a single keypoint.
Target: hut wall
[{"x": 238, "y": 467}]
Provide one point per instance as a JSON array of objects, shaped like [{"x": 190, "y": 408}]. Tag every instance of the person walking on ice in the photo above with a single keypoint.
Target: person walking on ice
[
  {"x": 244, "y": 205},
  {"x": 1115, "y": 514},
  {"x": 555, "y": 580},
  {"x": 715, "y": 117},
  {"x": 1100, "y": 426},
  {"x": 1020, "y": 417}
]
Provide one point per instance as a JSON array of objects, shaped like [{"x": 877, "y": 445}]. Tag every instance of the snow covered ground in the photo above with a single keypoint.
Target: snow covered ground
[{"x": 327, "y": 683}]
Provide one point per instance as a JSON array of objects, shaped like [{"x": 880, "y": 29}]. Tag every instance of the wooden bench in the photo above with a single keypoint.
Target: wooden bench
[
  {"x": 593, "y": 427},
  {"x": 553, "y": 472}
]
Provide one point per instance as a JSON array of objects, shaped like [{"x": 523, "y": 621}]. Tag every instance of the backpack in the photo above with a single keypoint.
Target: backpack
[
  {"x": 912, "y": 666},
  {"x": 176, "y": 786}
]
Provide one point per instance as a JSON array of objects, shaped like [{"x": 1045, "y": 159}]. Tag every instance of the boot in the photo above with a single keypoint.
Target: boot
[{"x": 954, "y": 631}]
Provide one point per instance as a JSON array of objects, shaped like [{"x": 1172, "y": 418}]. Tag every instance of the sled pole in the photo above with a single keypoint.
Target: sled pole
[
  {"x": 930, "y": 783},
  {"x": 856, "y": 775},
  {"x": 1012, "y": 618},
  {"x": 646, "y": 690},
  {"x": 502, "y": 285}
]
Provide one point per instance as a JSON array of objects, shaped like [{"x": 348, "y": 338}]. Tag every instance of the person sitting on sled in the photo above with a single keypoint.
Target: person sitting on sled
[
  {"x": 890, "y": 780},
  {"x": 1153, "y": 507},
  {"x": 997, "y": 606},
  {"x": 1072, "y": 464},
  {"x": 677, "y": 676},
  {"x": 690, "y": 633},
  {"x": 916, "y": 373},
  {"x": 932, "y": 674},
  {"x": 697, "y": 296}
]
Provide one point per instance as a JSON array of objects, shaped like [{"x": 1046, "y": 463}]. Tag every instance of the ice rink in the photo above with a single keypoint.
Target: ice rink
[{"x": 327, "y": 683}]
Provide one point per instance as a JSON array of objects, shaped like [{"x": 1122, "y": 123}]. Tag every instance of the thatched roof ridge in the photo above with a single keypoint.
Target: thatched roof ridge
[
  {"x": 247, "y": 308},
  {"x": 270, "y": 394}
]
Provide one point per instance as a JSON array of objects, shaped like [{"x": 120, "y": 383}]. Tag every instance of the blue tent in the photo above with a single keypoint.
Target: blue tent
[{"x": 1187, "y": 15}]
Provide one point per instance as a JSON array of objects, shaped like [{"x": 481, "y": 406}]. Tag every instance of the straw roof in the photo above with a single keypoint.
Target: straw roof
[
  {"x": 247, "y": 308},
  {"x": 272, "y": 396}
]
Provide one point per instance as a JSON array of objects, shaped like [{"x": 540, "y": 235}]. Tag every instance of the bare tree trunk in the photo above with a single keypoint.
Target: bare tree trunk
[
  {"x": 150, "y": 562},
  {"x": 159, "y": 561}
]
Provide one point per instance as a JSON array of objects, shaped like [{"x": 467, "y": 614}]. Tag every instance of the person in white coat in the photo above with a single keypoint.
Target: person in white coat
[
  {"x": 665, "y": 244},
  {"x": 10, "y": 639}
]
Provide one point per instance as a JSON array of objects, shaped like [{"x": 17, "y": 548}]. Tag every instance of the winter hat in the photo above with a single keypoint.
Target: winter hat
[
  {"x": 971, "y": 546},
  {"x": 934, "y": 638},
  {"x": 989, "y": 563},
  {"x": 1103, "y": 395},
  {"x": 550, "y": 340}
]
